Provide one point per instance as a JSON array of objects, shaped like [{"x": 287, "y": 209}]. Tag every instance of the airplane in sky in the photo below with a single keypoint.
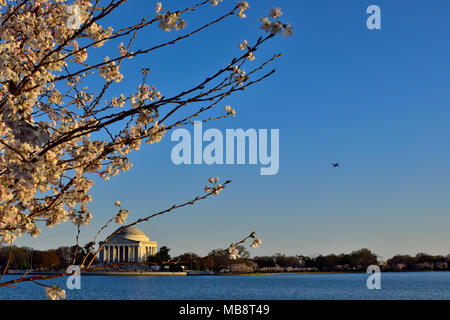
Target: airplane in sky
[{"x": 336, "y": 165}]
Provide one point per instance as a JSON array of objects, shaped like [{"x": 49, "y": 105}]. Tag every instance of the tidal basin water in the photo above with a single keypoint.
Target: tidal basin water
[{"x": 408, "y": 285}]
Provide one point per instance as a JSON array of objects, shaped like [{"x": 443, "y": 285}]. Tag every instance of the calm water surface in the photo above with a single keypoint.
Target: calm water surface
[{"x": 413, "y": 285}]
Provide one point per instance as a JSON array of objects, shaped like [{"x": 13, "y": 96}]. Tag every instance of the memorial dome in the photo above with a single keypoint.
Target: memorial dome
[{"x": 132, "y": 233}]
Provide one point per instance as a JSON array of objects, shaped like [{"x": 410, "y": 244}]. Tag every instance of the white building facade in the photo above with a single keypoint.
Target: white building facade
[{"x": 129, "y": 245}]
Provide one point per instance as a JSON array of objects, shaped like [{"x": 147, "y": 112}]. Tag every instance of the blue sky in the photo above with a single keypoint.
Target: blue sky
[{"x": 375, "y": 100}]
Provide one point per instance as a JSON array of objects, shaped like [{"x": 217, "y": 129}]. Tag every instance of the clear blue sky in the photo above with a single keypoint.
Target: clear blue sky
[{"x": 376, "y": 101}]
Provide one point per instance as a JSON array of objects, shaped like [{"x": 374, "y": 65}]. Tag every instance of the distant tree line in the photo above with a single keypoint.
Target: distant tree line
[
  {"x": 422, "y": 261},
  {"x": 356, "y": 261},
  {"x": 25, "y": 258}
]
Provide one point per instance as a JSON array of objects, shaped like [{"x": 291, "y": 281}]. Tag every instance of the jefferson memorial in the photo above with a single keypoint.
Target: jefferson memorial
[{"x": 129, "y": 245}]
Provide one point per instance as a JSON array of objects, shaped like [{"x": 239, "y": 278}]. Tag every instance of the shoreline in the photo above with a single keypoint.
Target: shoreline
[
  {"x": 48, "y": 273},
  {"x": 186, "y": 273}
]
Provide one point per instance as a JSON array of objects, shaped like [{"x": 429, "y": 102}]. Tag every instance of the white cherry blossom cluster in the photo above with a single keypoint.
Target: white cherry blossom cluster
[
  {"x": 123, "y": 51},
  {"x": 214, "y": 187},
  {"x": 169, "y": 21},
  {"x": 215, "y": 2},
  {"x": 155, "y": 133},
  {"x": 121, "y": 216},
  {"x": 244, "y": 45},
  {"x": 82, "y": 218},
  {"x": 276, "y": 27},
  {"x": 145, "y": 92},
  {"x": 55, "y": 293},
  {"x": 239, "y": 75},
  {"x": 80, "y": 55},
  {"x": 118, "y": 102},
  {"x": 230, "y": 111},
  {"x": 158, "y": 7},
  {"x": 233, "y": 252},
  {"x": 110, "y": 72},
  {"x": 98, "y": 34},
  {"x": 256, "y": 243},
  {"x": 242, "y": 6}
]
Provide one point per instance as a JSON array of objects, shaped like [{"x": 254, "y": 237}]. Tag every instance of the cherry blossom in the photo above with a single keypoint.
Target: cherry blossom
[
  {"x": 233, "y": 252},
  {"x": 121, "y": 216},
  {"x": 243, "y": 45},
  {"x": 277, "y": 26},
  {"x": 214, "y": 188},
  {"x": 242, "y": 6},
  {"x": 275, "y": 13},
  {"x": 230, "y": 111},
  {"x": 158, "y": 7},
  {"x": 256, "y": 243},
  {"x": 55, "y": 293}
]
